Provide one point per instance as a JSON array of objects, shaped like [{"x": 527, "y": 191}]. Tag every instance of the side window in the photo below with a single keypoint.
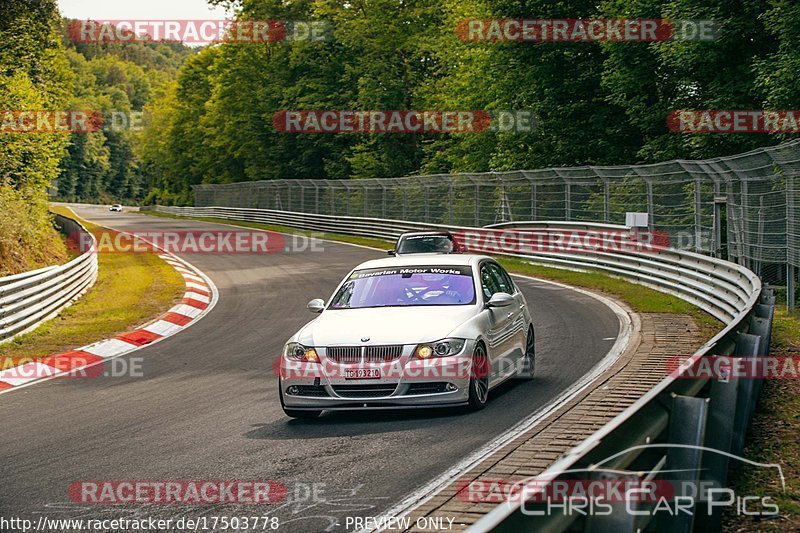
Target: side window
[
  {"x": 505, "y": 280},
  {"x": 489, "y": 282},
  {"x": 502, "y": 282}
]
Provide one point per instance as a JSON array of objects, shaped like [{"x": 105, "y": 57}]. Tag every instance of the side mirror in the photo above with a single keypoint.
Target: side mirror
[
  {"x": 500, "y": 299},
  {"x": 391, "y": 252},
  {"x": 316, "y": 305}
]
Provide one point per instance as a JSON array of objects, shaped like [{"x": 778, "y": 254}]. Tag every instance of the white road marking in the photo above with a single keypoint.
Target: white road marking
[
  {"x": 196, "y": 296},
  {"x": 163, "y": 328},
  {"x": 186, "y": 310},
  {"x": 108, "y": 348}
]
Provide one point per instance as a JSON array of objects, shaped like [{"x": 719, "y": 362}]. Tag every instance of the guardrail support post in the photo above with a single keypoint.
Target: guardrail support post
[
  {"x": 761, "y": 327},
  {"x": 687, "y": 428},
  {"x": 748, "y": 346},
  {"x": 767, "y": 295},
  {"x": 765, "y": 311},
  {"x": 719, "y": 436}
]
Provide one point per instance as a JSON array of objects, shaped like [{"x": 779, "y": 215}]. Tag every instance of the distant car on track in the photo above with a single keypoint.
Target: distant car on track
[
  {"x": 410, "y": 331},
  {"x": 426, "y": 242},
  {"x": 116, "y": 207}
]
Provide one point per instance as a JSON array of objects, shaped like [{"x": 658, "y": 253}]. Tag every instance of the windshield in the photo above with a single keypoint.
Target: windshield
[
  {"x": 421, "y": 244},
  {"x": 405, "y": 287}
]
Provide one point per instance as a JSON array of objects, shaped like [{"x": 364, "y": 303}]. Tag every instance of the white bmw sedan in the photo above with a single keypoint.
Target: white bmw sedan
[{"x": 409, "y": 332}]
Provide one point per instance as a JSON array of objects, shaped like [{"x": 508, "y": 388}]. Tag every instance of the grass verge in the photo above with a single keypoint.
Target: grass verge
[{"x": 131, "y": 290}]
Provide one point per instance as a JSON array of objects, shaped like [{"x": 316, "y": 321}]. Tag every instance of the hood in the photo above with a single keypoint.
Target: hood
[{"x": 384, "y": 325}]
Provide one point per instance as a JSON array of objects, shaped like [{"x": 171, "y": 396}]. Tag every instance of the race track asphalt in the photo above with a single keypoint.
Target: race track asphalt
[{"x": 207, "y": 407}]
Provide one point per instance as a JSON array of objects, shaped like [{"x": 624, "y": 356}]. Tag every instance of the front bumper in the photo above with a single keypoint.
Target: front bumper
[{"x": 403, "y": 383}]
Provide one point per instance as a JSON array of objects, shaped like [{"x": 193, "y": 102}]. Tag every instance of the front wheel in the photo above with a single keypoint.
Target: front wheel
[
  {"x": 529, "y": 359},
  {"x": 479, "y": 381}
]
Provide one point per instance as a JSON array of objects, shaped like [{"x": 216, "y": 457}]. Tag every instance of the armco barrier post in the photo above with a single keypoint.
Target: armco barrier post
[
  {"x": 767, "y": 295},
  {"x": 762, "y": 327},
  {"x": 687, "y": 429},
  {"x": 719, "y": 436},
  {"x": 766, "y": 311},
  {"x": 747, "y": 346}
]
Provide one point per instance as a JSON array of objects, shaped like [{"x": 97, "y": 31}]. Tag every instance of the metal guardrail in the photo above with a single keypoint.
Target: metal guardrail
[
  {"x": 30, "y": 298},
  {"x": 741, "y": 207},
  {"x": 720, "y": 287},
  {"x": 708, "y": 416},
  {"x": 681, "y": 425}
]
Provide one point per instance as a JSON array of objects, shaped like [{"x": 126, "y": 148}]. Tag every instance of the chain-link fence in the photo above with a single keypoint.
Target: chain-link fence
[{"x": 742, "y": 207}]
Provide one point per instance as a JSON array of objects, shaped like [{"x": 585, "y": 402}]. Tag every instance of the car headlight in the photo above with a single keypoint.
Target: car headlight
[
  {"x": 298, "y": 352},
  {"x": 442, "y": 348}
]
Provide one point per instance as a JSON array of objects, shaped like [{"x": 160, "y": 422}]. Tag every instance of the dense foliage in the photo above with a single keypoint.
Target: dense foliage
[
  {"x": 117, "y": 79},
  {"x": 33, "y": 75},
  {"x": 597, "y": 103},
  {"x": 208, "y": 111},
  {"x": 40, "y": 69}
]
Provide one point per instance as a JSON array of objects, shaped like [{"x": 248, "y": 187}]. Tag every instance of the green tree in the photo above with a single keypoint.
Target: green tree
[
  {"x": 777, "y": 72},
  {"x": 33, "y": 76},
  {"x": 649, "y": 81}
]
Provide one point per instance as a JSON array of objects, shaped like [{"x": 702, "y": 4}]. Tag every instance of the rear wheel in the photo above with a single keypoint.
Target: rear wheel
[
  {"x": 529, "y": 360},
  {"x": 479, "y": 381}
]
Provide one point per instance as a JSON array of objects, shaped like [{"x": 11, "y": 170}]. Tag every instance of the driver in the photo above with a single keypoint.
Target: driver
[{"x": 439, "y": 288}]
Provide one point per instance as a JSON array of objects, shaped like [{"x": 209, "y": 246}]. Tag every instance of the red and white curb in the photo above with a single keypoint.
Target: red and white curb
[{"x": 200, "y": 297}]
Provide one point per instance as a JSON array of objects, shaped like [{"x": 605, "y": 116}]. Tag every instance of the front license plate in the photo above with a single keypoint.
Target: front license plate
[{"x": 363, "y": 373}]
